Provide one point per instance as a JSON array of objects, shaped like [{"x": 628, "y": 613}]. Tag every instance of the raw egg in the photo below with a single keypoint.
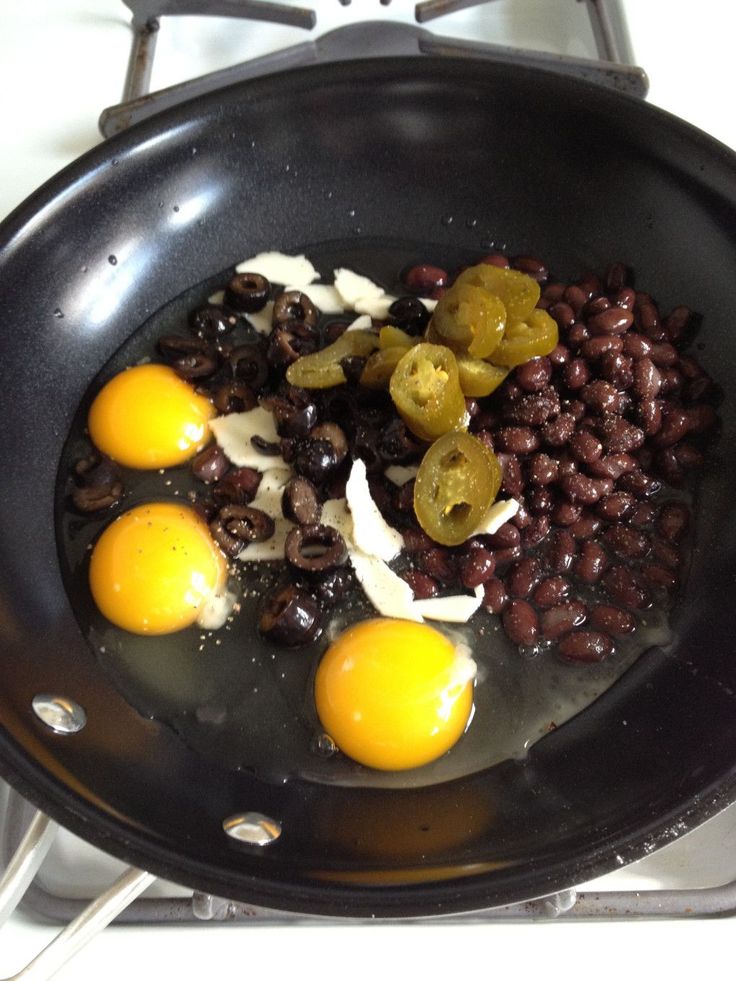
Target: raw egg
[
  {"x": 394, "y": 694},
  {"x": 155, "y": 568},
  {"x": 147, "y": 417}
]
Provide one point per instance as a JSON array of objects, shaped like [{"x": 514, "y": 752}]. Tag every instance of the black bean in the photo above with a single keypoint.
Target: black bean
[
  {"x": 576, "y": 373},
  {"x": 551, "y": 592},
  {"x": 657, "y": 576},
  {"x": 596, "y": 304},
  {"x": 647, "y": 320},
  {"x": 591, "y": 563},
  {"x": 542, "y": 469},
  {"x": 636, "y": 346},
  {"x": 518, "y": 439},
  {"x": 626, "y": 542},
  {"x": 618, "y": 435},
  {"x": 576, "y": 297},
  {"x": 617, "y": 276},
  {"x": 673, "y": 521},
  {"x": 586, "y": 526},
  {"x": 613, "y": 465},
  {"x": 626, "y": 587},
  {"x": 602, "y": 397},
  {"x": 612, "y": 620},
  {"x": 617, "y": 369},
  {"x": 531, "y": 266},
  {"x": 521, "y": 623},
  {"x": 507, "y": 536},
  {"x": 290, "y": 617},
  {"x": 678, "y": 323},
  {"x": 533, "y": 408},
  {"x": 476, "y": 567},
  {"x": 557, "y": 432},
  {"x": 585, "y": 446},
  {"x": 565, "y": 513},
  {"x": 522, "y": 577},
  {"x": 616, "y": 320},
  {"x": 495, "y": 596},
  {"x": 534, "y": 375},
  {"x": 581, "y": 489},
  {"x": 625, "y": 297},
  {"x": 540, "y": 500},
  {"x": 563, "y": 314},
  {"x": 640, "y": 484},
  {"x": 560, "y": 619},
  {"x": 423, "y": 279},
  {"x": 512, "y": 479},
  {"x": 559, "y": 355},
  {"x": 422, "y": 585},
  {"x": 586, "y": 646},
  {"x": 642, "y": 514},
  {"x": 536, "y": 532},
  {"x": 596, "y": 347},
  {"x": 616, "y": 506},
  {"x": 440, "y": 564},
  {"x": 560, "y": 552}
]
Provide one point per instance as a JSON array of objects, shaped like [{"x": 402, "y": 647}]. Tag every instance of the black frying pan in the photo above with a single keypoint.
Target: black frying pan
[{"x": 377, "y": 151}]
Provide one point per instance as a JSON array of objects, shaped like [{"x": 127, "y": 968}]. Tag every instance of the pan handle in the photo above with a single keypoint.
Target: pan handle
[{"x": 101, "y": 911}]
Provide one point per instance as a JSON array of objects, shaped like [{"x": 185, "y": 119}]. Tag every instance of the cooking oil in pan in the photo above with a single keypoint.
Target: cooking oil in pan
[{"x": 247, "y": 704}]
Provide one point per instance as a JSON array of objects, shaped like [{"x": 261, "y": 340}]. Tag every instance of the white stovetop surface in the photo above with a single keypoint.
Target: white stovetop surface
[{"x": 52, "y": 93}]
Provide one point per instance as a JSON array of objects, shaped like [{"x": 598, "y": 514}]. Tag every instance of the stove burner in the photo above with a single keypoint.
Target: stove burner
[{"x": 615, "y": 69}]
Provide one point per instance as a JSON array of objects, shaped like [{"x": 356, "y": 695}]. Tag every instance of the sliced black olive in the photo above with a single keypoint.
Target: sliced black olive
[
  {"x": 236, "y": 525},
  {"x": 334, "y": 436},
  {"x": 410, "y": 314},
  {"x": 291, "y": 420},
  {"x": 247, "y": 292},
  {"x": 248, "y": 364},
  {"x": 100, "y": 484},
  {"x": 315, "y": 459},
  {"x": 365, "y": 448},
  {"x": 290, "y": 616},
  {"x": 315, "y": 548},
  {"x": 300, "y": 502},
  {"x": 190, "y": 357},
  {"x": 234, "y": 397},
  {"x": 210, "y": 464},
  {"x": 88, "y": 500},
  {"x": 290, "y": 341},
  {"x": 294, "y": 305},
  {"x": 330, "y": 587},
  {"x": 238, "y": 486},
  {"x": 353, "y": 366},
  {"x": 211, "y": 322}
]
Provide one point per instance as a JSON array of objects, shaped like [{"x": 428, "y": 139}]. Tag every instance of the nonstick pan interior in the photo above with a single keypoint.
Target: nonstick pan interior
[{"x": 434, "y": 157}]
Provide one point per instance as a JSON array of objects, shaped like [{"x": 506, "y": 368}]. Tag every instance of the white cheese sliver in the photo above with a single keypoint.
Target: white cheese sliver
[
  {"x": 498, "y": 514},
  {"x": 352, "y": 287},
  {"x": 361, "y": 323},
  {"x": 280, "y": 268},
  {"x": 399, "y": 475},
  {"x": 390, "y": 595},
  {"x": 335, "y": 513},
  {"x": 428, "y": 303},
  {"x": 371, "y": 533},
  {"x": 375, "y": 306},
  {"x": 216, "y": 298},
  {"x": 450, "y": 609},
  {"x": 325, "y": 298},
  {"x": 233, "y": 433},
  {"x": 262, "y": 319}
]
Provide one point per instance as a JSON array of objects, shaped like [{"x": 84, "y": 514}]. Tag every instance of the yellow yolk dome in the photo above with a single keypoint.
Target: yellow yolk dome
[
  {"x": 394, "y": 694},
  {"x": 153, "y": 568},
  {"x": 147, "y": 417}
]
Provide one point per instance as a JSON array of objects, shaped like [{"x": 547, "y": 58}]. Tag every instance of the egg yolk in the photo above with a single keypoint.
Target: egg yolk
[
  {"x": 394, "y": 694},
  {"x": 153, "y": 568},
  {"x": 147, "y": 417}
]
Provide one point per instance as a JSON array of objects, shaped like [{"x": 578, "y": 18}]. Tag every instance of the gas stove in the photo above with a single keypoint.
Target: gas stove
[{"x": 78, "y": 68}]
